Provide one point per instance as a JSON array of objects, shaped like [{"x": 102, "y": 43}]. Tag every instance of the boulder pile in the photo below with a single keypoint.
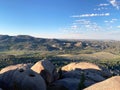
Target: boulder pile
[{"x": 44, "y": 76}]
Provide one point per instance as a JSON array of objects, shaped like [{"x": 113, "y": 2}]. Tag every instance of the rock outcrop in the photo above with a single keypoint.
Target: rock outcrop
[
  {"x": 46, "y": 69},
  {"x": 44, "y": 76},
  {"x": 112, "y": 83}
]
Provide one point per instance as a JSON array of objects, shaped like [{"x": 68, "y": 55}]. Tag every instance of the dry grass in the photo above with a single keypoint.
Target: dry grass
[{"x": 95, "y": 56}]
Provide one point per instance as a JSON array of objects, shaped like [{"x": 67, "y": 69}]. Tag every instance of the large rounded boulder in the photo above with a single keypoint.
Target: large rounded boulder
[
  {"x": 112, "y": 83},
  {"x": 21, "y": 79},
  {"x": 87, "y": 67},
  {"x": 46, "y": 69},
  {"x": 92, "y": 73}
]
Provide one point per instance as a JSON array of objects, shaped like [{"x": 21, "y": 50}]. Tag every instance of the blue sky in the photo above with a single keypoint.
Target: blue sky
[{"x": 71, "y": 19}]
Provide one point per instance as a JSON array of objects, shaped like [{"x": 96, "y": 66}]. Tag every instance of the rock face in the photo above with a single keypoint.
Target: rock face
[
  {"x": 56, "y": 87},
  {"x": 21, "y": 79},
  {"x": 46, "y": 69},
  {"x": 112, "y": 83},
  {"x": 72, "y": 74},
  {"x": 69, "y": 83}
]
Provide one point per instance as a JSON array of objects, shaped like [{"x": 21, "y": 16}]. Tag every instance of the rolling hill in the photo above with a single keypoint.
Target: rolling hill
[{"x": 25, "y": 42}]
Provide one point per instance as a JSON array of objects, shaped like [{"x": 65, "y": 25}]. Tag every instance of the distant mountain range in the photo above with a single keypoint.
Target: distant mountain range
[{"x": 25, "y": 42}]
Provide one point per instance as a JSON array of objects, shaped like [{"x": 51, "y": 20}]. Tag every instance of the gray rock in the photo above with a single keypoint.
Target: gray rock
[
  {"x": 72, "y": 74},
  {"x": 105, "y": 72},
  {"x": 87, "y": 66},
  {"x": 112, "y": 83},
  {"x": 94, "y": 76},
  {"x": 21, "y": 79},
  {"x": 46, "y": 69},
  {"x": 69, "y": 83},
  {"x": 88, "y": 82},
  {"x": 56, "y": 87},
  {"x": 91, "y": 72}
]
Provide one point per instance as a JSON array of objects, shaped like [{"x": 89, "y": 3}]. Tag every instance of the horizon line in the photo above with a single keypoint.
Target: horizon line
[{"x": 60, "y": 38}]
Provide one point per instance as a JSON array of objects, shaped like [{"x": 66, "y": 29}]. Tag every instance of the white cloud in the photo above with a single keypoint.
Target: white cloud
[
  {"x": 111, "y": 21},
  {"x": 82, "y": 25},
  {"x": 97, "y": 9},
  {"x": 103, "y": 4},
  {"x": 101, "y": 8},
  {"x": 115, "y": 3},
  {"x": 82, "y": 21},
  {"x": 90, "y": 15},
  {"x": 74, "y": 27},
  {"x": 111, "y": 34},
  {"x": 106, "y": 21}
]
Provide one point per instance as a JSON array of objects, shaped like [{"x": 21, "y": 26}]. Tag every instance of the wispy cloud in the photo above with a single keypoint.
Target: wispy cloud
[
  {"x": 101, "y": 8},
  {"x": 115, "y": 3},
  {"x": 91, "y": 15},
  {"x": 103, "y": 4},
  {"x": 82, "y": 25},
  {"x": 96, "y": 24},
  {"x": 82, "y": 21},
  {"x": 111, "y": 21},
  {"x": 74, "y": 27}
]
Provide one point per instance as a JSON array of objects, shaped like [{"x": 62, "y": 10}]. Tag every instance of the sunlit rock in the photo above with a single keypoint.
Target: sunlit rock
[
  {"x": 112, "y": 83},
  {"x": 46, "y": 69}
]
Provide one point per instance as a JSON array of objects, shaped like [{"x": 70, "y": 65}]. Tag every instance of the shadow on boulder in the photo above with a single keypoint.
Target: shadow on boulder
[
  {"x": 21, "y": 79},
  {"x": 76, "y": 76}
]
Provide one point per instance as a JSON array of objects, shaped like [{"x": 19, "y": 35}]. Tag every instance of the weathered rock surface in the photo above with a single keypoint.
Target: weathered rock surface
[
  {"x": 18, "y": 66},
  {"x": 46, "y": 69},
  {"x": 56, "y": 87},
  {"x": 21, "y": 79},
  {"x": 69, "y": 83},
  {"x": 72, "y": 74},
  {"x": 91, "y": 72},
  {"x": 81, "y": 65},
  {"x": 94, "y": 76},
  {"x": 112, "y": 83},
  {"x": 43, "y": 76},
  {"x": 88, "y": 68},
  {"x": 88, "y": 82}
]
